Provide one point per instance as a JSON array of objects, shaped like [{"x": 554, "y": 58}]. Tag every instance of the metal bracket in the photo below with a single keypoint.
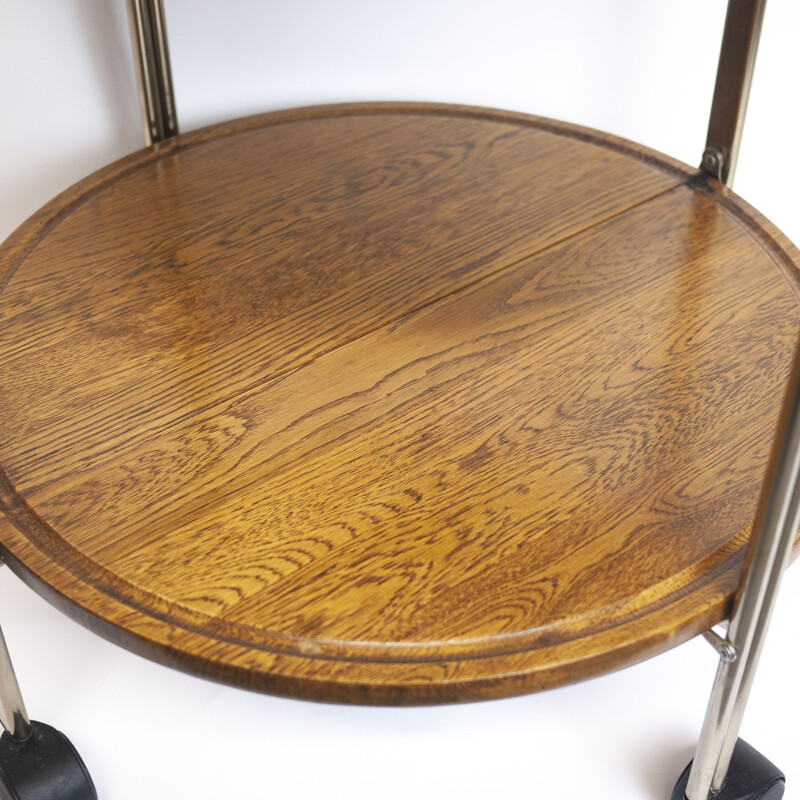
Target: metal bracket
[
  {"x": 726, "y": 650},
  {"x": 714, "y": 162}
]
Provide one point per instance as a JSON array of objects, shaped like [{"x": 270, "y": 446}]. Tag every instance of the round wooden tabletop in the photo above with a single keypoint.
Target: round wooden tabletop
[{"x": 391, "y": 403}]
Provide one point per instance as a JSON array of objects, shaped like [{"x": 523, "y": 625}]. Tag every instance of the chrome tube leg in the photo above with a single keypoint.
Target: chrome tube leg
[
  {"x": 734, "y": 75},
  {"x": 778, "y": 512},
  {"x": 13, "y": 715},
  {"x": 774, "y": 532},
  {"x": 37, "y": 762},
  {"x": 749, "y": 662},
  {"x": 153, "y": 70}
]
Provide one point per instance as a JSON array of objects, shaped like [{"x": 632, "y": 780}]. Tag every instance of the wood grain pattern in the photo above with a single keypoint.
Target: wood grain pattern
[{"x": 391, "y": 403}]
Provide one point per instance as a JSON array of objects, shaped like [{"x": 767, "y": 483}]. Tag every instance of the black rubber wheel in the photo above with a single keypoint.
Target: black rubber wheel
[
  {"x": 44, "y": 767},
  {"x": 750, "y": 777}
]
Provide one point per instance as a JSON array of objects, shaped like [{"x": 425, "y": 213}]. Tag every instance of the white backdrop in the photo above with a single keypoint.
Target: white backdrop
[{"x": 636, "y": 68}]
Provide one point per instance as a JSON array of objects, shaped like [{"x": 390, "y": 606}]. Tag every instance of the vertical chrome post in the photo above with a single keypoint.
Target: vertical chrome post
[
  {"x": 151, "y": 54},
  {"x": 774, "y": 530},
  {"x": 737, "y": 58},
  {"x": 13, "y": 715}
]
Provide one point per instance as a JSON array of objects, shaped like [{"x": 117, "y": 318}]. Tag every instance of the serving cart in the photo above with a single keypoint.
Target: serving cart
[{"x": 394, "y": 403}]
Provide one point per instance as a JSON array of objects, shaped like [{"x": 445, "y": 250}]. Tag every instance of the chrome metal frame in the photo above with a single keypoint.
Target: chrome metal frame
[
  {"x": 774, "y": 531},
  {"x": 13, "y": 715},
  {"x": 734, "y": 76},
  {"x": 778, "y": 514},
  {"x": 153, "y": 69}
]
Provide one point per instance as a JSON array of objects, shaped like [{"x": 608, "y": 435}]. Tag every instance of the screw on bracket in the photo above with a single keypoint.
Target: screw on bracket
[
  {"x": 714, "y": 162},
  {"x": 726, "y": 650}
]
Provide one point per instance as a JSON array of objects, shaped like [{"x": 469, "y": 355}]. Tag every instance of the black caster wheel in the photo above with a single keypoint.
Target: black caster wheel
[
  {"x": 750, "y": 777},
  {"x": 44, "y": 767}
]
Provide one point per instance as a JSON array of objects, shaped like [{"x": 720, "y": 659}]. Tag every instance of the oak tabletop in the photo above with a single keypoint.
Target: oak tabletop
[{"x": 391, "y": 403}]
